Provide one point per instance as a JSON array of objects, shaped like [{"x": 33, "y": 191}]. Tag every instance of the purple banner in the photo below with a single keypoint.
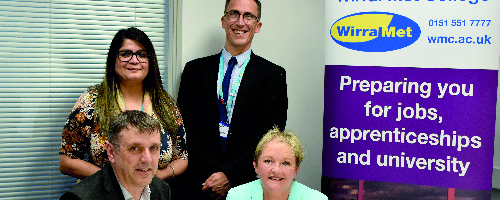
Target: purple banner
[{"x": 420, "y": 126}]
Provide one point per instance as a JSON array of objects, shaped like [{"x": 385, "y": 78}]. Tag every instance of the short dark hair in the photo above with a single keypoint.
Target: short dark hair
[
  {"x": 132, "y": 118},
  {"x": 259, "y": 7}
]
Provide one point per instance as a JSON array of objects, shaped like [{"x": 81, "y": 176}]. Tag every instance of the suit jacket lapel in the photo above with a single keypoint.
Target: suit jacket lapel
[
  {"x": 213, "y": 71},
  {"x": 111, "y": 185},
  {"x": 256, "y": 192},
  {"x": 295, "y": 191}
]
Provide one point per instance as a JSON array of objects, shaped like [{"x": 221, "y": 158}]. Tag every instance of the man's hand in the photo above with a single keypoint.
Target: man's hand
[{"x": 218, "y": 184}]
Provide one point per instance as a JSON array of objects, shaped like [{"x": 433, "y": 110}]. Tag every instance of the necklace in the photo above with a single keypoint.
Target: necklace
[{"x": 125, "y": 104}]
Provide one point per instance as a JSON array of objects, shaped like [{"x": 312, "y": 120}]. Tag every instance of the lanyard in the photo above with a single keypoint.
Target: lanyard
[{"x": 230, "y": 97}]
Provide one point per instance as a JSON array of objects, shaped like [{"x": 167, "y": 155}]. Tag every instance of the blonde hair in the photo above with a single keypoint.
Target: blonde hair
[{"x": 287, "y": 137}]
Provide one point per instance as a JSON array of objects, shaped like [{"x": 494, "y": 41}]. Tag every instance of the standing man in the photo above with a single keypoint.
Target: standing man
[
  {"x": 228, "y": 102},
  {"x": 133, "y": 150}
]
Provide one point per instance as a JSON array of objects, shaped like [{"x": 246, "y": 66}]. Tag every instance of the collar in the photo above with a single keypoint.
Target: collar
[
  {"x": 144, "y": 196},
  {"x": 295, "y": 191},
  {"x": 226, "y": 56},
  {"x": 294, "y": 194}
]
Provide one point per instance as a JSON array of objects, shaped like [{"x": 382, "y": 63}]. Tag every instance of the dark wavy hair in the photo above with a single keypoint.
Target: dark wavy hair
[{"x": 107, "y": 90}]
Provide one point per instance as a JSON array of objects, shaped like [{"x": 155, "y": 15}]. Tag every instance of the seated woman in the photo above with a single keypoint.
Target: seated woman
[{"x": 276, "y": 161}]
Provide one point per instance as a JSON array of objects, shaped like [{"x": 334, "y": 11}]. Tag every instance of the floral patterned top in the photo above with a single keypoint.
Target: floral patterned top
[{"x": 82, "y": 139}]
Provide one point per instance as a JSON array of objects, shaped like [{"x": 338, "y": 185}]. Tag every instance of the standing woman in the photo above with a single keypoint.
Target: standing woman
[{"x": 132, "y": 82}]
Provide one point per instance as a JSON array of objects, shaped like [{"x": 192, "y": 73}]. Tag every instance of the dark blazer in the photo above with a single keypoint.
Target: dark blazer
[
  {"x": 104, "y": 185},
  {"x": 260, "y": 104}
]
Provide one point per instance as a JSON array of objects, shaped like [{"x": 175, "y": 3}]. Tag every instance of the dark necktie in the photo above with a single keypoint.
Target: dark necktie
[
  {"x": 225, "y": 91},
  {"x": 227, "y": 78}
]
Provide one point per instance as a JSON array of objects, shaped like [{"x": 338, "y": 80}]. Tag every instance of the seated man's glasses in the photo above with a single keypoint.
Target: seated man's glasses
[
  {"x": 234, "y": 15},
  {"x": 126, "y": 56}
]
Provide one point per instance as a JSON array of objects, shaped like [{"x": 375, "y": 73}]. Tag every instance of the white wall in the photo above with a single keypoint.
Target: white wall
[{"x": 292, "y": 37}]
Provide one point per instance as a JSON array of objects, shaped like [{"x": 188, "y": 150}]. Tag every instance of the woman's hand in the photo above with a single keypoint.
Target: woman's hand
[
  {"x": 77, "y": 168},
  {"x": 179, "y": 165}
]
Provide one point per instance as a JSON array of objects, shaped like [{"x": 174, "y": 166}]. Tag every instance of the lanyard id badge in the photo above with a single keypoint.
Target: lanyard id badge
[
  {"x": 223, "y": 129},
  {"x": 224, "y": 106},
  {"x": 228, "y": 103}
]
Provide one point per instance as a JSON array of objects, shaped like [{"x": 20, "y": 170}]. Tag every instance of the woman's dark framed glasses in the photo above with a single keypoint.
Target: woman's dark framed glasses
[{"x": 126, "y": 56}]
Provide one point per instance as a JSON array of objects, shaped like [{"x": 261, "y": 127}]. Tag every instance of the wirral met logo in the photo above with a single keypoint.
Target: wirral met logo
[{"x": 375, "y": 31}]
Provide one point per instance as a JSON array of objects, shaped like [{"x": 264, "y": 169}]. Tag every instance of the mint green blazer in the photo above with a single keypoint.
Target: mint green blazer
[{"x": 253, "y": 191}]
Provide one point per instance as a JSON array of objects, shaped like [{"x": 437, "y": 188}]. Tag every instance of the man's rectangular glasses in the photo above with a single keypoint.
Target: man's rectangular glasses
[
  {"x": 234, "y": 15},
  {"x": 126, "y": 56}
]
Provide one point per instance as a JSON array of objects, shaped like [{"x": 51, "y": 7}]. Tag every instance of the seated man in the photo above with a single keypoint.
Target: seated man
[{"x": 133, "y": 149}]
